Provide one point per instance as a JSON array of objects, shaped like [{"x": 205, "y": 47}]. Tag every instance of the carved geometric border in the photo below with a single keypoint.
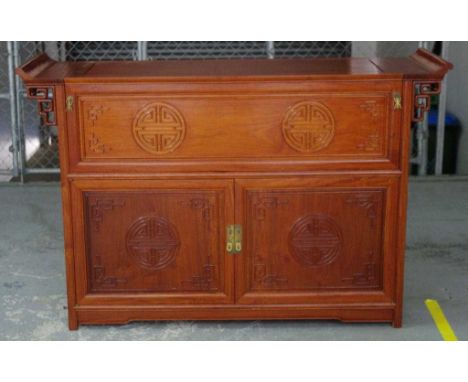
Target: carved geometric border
[
  {"x": 422, "y": 98},
  {"x": 46, "y": 103}
]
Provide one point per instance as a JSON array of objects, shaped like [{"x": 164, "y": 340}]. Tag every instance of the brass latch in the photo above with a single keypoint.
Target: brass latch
[
  {"x": 234, "y": 238},
  {"x": 396, "y": 101},
  {"x": 69, "y": 103}
]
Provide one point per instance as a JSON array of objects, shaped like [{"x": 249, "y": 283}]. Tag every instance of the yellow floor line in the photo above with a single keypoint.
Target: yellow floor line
[{"x": 441, "y": 322}]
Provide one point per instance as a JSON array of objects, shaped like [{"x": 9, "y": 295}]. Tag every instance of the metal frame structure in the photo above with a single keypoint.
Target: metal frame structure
[
  {"x": 441, "y": 116},
  {"x": 16, "y": 99}
]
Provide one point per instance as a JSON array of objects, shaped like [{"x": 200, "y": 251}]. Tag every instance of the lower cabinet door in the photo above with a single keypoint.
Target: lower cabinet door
[
  {"x": 152, "y": 242},
  {"x": 328, "y": 239}
]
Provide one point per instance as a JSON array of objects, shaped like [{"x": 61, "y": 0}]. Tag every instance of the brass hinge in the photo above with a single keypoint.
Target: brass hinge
[
  {"x": 69, "y": 103},
  {"x": 396, "y": 101},
  {"x": 234, "y": 238}
]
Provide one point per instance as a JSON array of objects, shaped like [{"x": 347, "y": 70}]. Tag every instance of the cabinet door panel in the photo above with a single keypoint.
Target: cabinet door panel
[
  {"x": 154, "y": 238},
  {"x": 307, "y": 240}
]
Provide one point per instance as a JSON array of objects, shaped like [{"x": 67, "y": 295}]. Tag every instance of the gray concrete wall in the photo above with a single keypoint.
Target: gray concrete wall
[{"x": 457, "y": 98}]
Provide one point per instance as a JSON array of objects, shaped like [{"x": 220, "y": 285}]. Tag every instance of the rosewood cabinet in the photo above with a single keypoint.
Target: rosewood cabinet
[{"x": 255, "y": 189}]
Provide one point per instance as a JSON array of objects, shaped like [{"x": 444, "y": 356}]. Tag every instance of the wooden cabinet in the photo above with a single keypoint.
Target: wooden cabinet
[{"x": 260, "y": 189}]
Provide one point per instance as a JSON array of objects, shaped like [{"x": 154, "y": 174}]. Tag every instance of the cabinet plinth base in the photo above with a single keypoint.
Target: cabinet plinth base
[{"x": 123, "y": 315}]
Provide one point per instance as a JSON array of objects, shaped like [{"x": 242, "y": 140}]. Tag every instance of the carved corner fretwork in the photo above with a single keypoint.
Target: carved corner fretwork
[
  {"x": 372, "y": 143},
  {"x": 200, "y": 203},
  {"x": 46, "y": 103},
  {"x": 367, "y": 277},
  {"x": 367, "y": 202},
  {"x": 94, "y": 111},
  {"x": 204, "y": 281},
  {"x": 98, "y": 207},
  {"x": 100, "y": 279},
  {"x": 422, "y": 98},
  {"x": 94, "y": 142},
  {"x": 263, "y": 278},
  {"x": 265, "y": 203},
  {"x": 373, "y": 108},
  {"x": 96, "y": 146}
]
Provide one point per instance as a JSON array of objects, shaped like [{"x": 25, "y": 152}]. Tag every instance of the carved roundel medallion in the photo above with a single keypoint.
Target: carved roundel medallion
[
  {"x": 308, "y": 127},
  {"x": 315, "y": 240},
  {"x": 152, "y": 242},
  {"x": 158, "y": 128}
]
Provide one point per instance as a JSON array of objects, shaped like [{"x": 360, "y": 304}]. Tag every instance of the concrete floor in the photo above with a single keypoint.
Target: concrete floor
[{"x": 32, "y": 285}]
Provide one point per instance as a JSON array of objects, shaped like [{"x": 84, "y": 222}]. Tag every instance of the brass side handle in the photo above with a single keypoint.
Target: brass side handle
[
  {"x": 69, "y": 103},
  {"x": 396, "y": 101}
]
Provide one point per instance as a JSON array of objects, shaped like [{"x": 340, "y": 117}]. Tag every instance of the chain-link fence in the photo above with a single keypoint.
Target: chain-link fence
[
  {"x": 38, "y": 148},
  {"x": 40, "y": 142},
  {"x": 177, "y": 50},
  {"x": 246, "y": 49},
  {"x": 97, "y": 50}
]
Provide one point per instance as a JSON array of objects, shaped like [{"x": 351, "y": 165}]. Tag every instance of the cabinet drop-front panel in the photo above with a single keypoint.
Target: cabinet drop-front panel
[
  {"x": 150, "y": 238},
  {"x": 313, "y": 236},
  {"x": 332, "y": 126}
]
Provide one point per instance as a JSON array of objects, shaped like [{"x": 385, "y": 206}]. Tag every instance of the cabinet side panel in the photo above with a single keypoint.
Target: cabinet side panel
[
  {"x": 403, "y": 201},
  {"x": 66, "y": 205}
]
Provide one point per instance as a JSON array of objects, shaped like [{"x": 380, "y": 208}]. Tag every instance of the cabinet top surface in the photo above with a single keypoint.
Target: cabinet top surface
[{"x": 421, "y": 65}]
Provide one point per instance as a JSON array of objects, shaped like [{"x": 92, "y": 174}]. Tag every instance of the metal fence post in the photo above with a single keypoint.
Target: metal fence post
[
  {"x": 12, "y": 89},
  {"x": 422, "y": 135},
  {"x": 142, "y": 50},
  {"x": 19, "y": 115},
  {"x": 439, "y": 156},
  {"x": 270, "y": 49}
]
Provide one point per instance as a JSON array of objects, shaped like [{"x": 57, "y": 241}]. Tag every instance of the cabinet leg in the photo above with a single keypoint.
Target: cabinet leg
[
  {"x": 72, "y": 320},
  {"x": 397, "y": 321}
]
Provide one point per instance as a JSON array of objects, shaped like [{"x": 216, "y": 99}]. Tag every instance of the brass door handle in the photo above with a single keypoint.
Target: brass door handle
[
  {"x": 237, "y": 238},
  {"x": 234, "y": 238}
]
